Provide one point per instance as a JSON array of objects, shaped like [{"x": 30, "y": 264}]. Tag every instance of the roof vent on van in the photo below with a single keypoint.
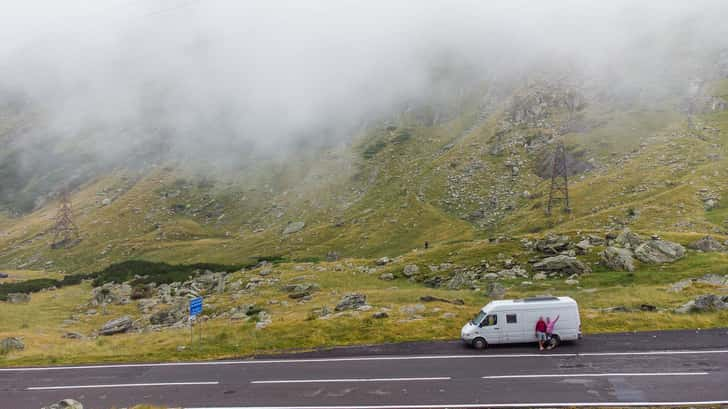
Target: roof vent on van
[{"x": 536, "y": 299}]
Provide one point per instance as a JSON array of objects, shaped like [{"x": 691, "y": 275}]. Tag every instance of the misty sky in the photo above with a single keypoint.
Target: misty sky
[{"x": 233, "y": 74}]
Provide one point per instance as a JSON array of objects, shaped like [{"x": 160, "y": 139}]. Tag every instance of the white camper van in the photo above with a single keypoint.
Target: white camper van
[{"x": 513, "y": 321}]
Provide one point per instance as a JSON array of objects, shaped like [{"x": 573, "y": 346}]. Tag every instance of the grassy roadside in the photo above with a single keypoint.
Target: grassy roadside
[{"x": 293, "y": 327}]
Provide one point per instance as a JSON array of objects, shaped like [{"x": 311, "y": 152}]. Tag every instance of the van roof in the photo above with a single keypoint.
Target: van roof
[{"x": 531, "y": 302}]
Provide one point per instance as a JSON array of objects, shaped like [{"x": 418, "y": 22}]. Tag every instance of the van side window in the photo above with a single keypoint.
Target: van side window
[
  {"x": 491, "y": 319},
  {"x": 511, "y": 318}
]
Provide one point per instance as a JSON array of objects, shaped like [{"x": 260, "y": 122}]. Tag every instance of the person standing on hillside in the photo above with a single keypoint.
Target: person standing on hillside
[{"x": 540, "y": 332}]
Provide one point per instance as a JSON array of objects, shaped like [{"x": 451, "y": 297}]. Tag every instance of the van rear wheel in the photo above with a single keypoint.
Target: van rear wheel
[{"x": 480, "y": 343}]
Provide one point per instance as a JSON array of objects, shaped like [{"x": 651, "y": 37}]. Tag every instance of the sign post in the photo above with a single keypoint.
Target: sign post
[{"x": 195, "y": 310}]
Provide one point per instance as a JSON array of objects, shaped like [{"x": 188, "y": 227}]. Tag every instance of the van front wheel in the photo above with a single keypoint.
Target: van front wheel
[
  {"x": 554, "y": 341},
  {"x": 479, "y": 343}
]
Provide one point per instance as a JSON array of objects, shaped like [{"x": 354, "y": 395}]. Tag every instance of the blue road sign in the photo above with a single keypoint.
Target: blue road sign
[{"x": 195, "y": 306}]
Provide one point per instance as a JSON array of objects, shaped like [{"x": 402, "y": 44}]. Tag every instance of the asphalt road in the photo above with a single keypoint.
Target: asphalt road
[{"x": 675, "y": 367}]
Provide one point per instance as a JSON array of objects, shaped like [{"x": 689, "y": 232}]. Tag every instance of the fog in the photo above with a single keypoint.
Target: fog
[{"x": 222, "y": 80}]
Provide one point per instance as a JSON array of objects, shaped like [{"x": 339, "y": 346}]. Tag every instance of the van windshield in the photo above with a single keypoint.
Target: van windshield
[{"x": 478, "y": 318}]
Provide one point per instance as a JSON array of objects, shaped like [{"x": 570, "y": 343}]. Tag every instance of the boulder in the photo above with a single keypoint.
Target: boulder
[
  {"x": 618, "y": 259},
  {"x": 539, "y": 276},
  {"x": 380, "y": 315},
  {"x": 116, "y": 326},
  {"x": 495, "y": 290},
  {"x": 707, "y": 302},
  {"x": 294, "y": 227},
  {"x": 351, "y": 302},
  {"x": 11, "y": 344},
  {"x": 659, "y": 251},
  {"x": 562, "y": 264},
  {"x": 553, "y": 244},
  {"x": 383, "y": 261},
  {"x": 430, "y": 298},
  {"x": 18, "y": 298},
  {"x": 707, "y": 244},
  {"x": 72, "y": 335},
  {"x": 410, "y": 270},
  {"x": 386, "y": 276},
  {"x": 65, "y": 404},
  {"x": 627, "y": 239}
]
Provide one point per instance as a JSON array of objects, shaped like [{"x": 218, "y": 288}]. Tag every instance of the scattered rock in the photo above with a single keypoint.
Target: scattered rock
[
  {"x": 73, "y": 335},
  {"x": 117, "y": 326},
  {"x": 618, "y": 259},
  {"x": 264, "y": 319},
  {"x": 659, "y": 251},
  {"x": 461, "y": 280},
  {"x": 448, "y": 315},
  {"x": 18, "y": 298},
  {"x": 351, "y": 302},
  {"x": 571, "y": 281},
  {"x": 648, "y": 307},
  {"x": 413, "y": 309},
  {"x": 430, "y": 298},
  {"x": 619, "y": 308},
  {"x": 707, "y": 244},
  {"x": 65, "y": 404},
  {"x": 380, "y": 315},
  {"x": 11, "y": 344},
  {"x": 514, "y": 272},
  {"x": 410, "y": 270},
  {"x": 386, "y": 276},
  {"x": 553, "y": 244},
  {"x": 539, "y": 276},
  {"x": 562, "y": 264},
  {"x": 294, "y": 227},
  {"x": 383, "y": 261}
]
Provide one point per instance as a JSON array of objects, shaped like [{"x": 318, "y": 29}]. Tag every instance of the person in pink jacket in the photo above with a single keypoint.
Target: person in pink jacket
[{"x": 550, "y": 326}]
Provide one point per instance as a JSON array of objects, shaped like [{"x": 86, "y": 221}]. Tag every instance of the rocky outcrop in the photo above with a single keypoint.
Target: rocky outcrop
[
  {"x": 707, "y": 302},
  {"x": 628, "y": 239},
  {"x": 618, "y": 259},
  {"x": 170, "y": 316},
  {"x": 562, "y": 264},
  {"x": 117, "y": 326},
  {"x": 11, "y": 344},
  {"x": 657, "y": 251},
  {"x": 111, "y": 293},
  {"x": 707, "y": 244},
  {"x": 65, "y": 404},
  {"x": 351, "y": 302},
  {"x": 710, "y": 279}
]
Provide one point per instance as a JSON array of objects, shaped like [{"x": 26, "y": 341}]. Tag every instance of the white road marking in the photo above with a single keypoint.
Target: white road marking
[
  {"x": 440, "y": 378},
  {"x": 487, "y": 405},
  {"x": 118, "y": 385},
  {"x": 364, "y": 358},
  {"x": 594, "y": 375}
]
